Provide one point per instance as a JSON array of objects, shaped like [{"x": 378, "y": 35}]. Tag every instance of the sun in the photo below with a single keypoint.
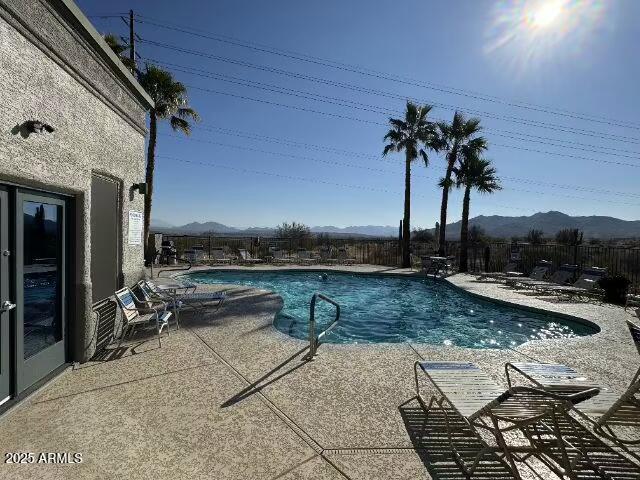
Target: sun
[{"x": 547, "y": 13}]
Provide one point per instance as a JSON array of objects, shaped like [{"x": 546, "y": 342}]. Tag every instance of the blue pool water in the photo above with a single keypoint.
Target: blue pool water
[{"x": 379, "y": 309}]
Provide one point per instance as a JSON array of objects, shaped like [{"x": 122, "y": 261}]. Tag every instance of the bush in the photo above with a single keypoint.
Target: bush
[{"x": 615, "y": 288}]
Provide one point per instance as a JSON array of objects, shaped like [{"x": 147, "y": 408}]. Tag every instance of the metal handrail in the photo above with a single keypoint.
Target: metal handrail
[
  {"x": 173, "y": 269},
  {"x": 314, "y": 341}
]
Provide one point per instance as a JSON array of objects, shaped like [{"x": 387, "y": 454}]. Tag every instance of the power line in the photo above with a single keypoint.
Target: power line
[
  {"x": 349, "y": 153},
  {"x": 365, "y": 167},
  {"x": 382, "y": 110},
  {"x": 527, "y": 122},
  {"x": 386, "y": 76},
  {"x": 310, "y": 180},
  {"x": 345, "y": 117}
]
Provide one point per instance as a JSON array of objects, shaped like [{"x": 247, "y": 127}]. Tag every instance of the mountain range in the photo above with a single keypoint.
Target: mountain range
[{"x": 550, "y": 223}]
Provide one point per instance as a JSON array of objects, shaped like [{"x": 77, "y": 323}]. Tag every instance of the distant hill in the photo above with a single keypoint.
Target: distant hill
[
  {"x": 550, "y": 223},
  {"x": 197, "y": 228}
]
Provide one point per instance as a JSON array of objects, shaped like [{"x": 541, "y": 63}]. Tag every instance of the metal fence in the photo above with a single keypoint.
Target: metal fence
[
  {"x": 374, "y": 252},
  {"x": 618, "y": 260}
]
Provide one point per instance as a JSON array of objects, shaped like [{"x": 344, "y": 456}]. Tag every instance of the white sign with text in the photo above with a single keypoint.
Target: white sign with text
[{"x": 135, "y": 228}]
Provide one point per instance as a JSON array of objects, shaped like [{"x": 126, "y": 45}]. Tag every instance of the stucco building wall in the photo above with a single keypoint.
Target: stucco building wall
[{"x": 51, "y": 71}]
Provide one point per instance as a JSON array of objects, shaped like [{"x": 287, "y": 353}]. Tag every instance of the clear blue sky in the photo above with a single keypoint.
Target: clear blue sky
[{"x": 585, "y": 60}]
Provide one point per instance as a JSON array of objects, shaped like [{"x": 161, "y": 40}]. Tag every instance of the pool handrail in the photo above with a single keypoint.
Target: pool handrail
[{"x": 314, "y": 341}]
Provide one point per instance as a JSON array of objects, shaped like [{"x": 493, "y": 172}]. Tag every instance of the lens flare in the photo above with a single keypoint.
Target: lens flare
[
  {"x": 547, "y": 13},
  {"x": 527, "y": 33}
]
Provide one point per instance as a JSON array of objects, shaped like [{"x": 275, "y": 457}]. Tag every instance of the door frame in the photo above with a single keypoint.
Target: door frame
[
  {"x": 31, "y": 370},
  {"x": 6, "y": 330}
]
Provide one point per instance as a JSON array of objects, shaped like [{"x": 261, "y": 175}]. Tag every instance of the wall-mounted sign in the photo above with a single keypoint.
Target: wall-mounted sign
[{"x": 135, "y": 227}]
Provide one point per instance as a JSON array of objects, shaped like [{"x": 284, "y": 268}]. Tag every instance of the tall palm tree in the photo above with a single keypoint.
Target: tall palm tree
[
  {"x": 415, "y": 134},
  {"x": 120, "y": 50},
  {"x": 474, "y": 172},
  {"x": 455, "y": 136},
  {"x": 170, "y": 98}
]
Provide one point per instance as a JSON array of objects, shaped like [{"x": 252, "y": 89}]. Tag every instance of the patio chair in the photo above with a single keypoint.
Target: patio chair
[
  {"x": 487, "y": 407},
  {"x": 509, "y": 271},
  {"x": 150, "y": 298},
  {"x": 585, "y": 286},
  {"x": 135, "y": 315},
  {"x": 245, "y": 257},
  {"x": 195, "y": 300},
  {"x": 606, "y": 411}
]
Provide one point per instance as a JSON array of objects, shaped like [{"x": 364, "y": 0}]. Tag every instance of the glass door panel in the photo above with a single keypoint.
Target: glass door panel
[
  {"x": 41, "y": 276},
  {"x": 40, "y": 286}
]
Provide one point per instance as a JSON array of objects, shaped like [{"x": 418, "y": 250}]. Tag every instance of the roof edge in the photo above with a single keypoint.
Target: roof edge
[{"x": 97, "y": 40}]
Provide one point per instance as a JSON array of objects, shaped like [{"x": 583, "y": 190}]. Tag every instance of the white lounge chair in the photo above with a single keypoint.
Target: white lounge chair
[
  {"x": 562, "y": 276},
  {"x": 606, "y": 411},
  {"x": 538, "y": 273},
  {"x": 245, "y": 257},
  {"x": 280, "y": 257},
  {"x": 343, "y": 257},
  {"x": 136, "y": 315},
  {"x": 486, "y": 406},
  {"x": 218, "y": 256},
  {"x": 509, "y": 271},
  {"x": 586, "y": 285},
  {"x": 305, "y": 257}
]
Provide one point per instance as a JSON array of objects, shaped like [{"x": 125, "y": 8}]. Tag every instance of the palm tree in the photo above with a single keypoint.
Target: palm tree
[
  {"x": 474, "y": 172},
  {"x": 455, "y": 136},
  {"x": 410, "y": 135},
  {"x": 170, "y": 98},
  {"x": 119, "y": 49}
]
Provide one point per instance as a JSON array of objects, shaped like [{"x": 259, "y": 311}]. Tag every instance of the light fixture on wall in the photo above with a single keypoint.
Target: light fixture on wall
[
  {"x": 141, "y": 187},
  {"x": 36, "y": 126}
]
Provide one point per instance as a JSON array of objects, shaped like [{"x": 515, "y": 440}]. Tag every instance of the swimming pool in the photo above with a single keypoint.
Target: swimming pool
[{"x": 377, "y": 309}]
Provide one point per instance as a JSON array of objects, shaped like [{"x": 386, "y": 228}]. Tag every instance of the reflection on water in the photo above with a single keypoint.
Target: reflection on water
[{"x": 377, "y": 309}]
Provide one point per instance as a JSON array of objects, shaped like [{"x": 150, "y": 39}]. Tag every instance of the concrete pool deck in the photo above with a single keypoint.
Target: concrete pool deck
[{"x": 229, "y": 397}]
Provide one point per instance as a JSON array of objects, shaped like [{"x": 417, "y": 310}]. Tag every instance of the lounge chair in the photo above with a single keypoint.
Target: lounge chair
[
  {"x": 509, "y": 271},
  {"x": 305, "y": 257},
  {"x": 487, "y": 407},
  {"x": 606, "y": 411},
  {"x": 136, "y": 315},
  {"x": 218, "y": 256},
  {"x": 195, "y": 300},
  {"x": 280, "y": 257},
  {"x": 326, "y": 256},
  {"x": 245, "y": 257},
  {"x": 562, "y": 276},
  {"x": 586, "y": 285},
  {"x": 538, "y": 273},
  {"x": 631, "y": 300},
  {"x": 343, "y": 257}
]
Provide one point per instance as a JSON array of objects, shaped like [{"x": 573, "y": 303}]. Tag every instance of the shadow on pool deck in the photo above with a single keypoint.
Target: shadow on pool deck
[
  {"x": 429, "y": 438},
  {"x": 258, "y": 385}
]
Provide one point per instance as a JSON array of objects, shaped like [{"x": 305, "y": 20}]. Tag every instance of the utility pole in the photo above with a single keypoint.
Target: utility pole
[{"x": 132, "y": 44}]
